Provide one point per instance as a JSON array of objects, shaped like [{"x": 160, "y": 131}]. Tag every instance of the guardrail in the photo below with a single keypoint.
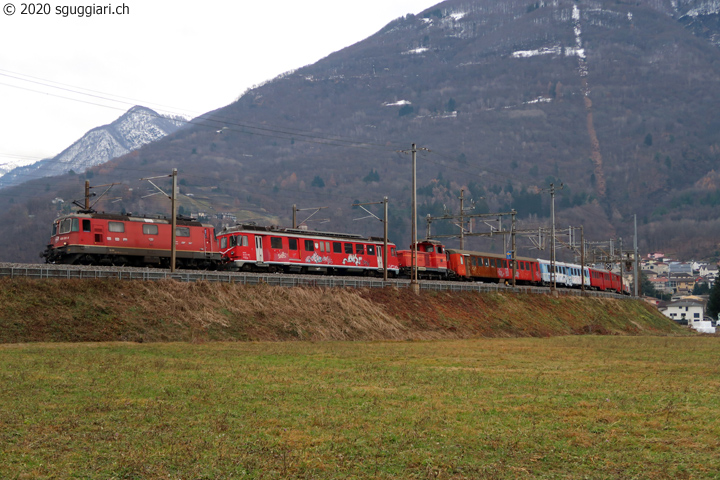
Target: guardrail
[{"x": 280, "y": 280}]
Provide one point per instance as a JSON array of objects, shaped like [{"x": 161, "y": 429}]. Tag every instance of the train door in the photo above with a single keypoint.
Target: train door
[
  {"x": 378, "y": 252},
  {"x": 209, "y": 241},
  {"x": 98, "y": 233},
  {"x": 259, "y": 248}
]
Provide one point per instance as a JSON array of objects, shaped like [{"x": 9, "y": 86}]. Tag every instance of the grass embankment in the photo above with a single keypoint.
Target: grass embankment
[
  {"x": 99, "y": 310},
  {"x": 600, "y": 407}
]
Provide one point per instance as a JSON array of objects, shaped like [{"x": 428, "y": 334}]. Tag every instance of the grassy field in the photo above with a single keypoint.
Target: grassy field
[{"x": 563, "y": 407}]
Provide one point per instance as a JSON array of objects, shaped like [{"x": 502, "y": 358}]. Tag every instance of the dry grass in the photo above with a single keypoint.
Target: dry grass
[{"x": 88, "y": 310}]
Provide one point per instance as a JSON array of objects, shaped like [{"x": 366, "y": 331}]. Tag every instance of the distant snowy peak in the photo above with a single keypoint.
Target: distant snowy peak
[{"x": 135, "y": 128}]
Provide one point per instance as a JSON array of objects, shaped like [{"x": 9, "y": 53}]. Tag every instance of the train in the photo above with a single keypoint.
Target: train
[{"x": 91, "y": 238}]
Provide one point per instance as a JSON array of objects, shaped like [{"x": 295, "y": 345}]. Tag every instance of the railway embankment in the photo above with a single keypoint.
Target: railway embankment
[{"x": 82, "y": 310}]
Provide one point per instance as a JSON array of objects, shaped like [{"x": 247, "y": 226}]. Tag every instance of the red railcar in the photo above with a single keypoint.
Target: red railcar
[
  {"x": 606, "y": 281},
  {"x": 275, "y": 249},
  {"x": 431, "y": 260},
  {"x": 114, "y": 239},
  {"x": 489, "y": 267}
]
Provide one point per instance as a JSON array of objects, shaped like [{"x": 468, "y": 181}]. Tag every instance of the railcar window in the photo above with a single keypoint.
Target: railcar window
[
  {"x": 150, "y": 229},
  {"x": 223, "y": 242},
  {"x": 487, "y": 262},
  {"x": 359, "y": 249},
  {"x": 117, "y": 227},
  {"x": 275, "y": 242},
  {"x": 86, "y": 225},
  {"x": 292, "y": 243},
  {"x": 322, "y": 246},
  {"x": 337, "y": 247},
  {"x": 348, "y": 248},
  {"x": 371, "y": 249},
  {"x": 245, "y": 242},
  {"x": 182, "y": 231},
  {"x": 309, "y": 246},
  {"x": 232, "y": 241},
  {"x": 327, "y": 247},
  {"x": 492, "y": 263}
]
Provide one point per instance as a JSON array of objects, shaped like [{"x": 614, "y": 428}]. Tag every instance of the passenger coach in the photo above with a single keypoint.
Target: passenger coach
[{"x": 276, "y": 249}]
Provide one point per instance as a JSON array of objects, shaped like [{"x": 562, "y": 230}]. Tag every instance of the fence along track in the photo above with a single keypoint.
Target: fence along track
[{"x": 279, "y": 280}]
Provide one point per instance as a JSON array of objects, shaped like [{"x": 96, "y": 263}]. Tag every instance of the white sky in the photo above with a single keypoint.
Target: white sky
[{"x": 179, "y": 56}]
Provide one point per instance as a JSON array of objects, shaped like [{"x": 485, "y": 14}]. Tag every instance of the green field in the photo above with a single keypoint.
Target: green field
[{"x": 562, "y": 407}]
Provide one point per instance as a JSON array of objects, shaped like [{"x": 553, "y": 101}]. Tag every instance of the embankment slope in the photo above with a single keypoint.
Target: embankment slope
[{"x": 97, "y": 311}]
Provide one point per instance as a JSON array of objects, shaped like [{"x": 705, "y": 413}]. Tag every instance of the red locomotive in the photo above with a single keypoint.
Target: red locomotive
[
  {"x": 276, "y": 249},
  {"x": 113, "y": 239},
  {"x": 431, "y": 260}
]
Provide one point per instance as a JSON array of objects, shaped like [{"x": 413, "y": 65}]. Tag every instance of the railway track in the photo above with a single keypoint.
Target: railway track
[{"x": 50, "y": 271}]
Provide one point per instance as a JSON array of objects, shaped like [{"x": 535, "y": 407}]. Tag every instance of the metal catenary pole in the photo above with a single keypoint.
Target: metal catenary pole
[{"x": 173, "y": 216}]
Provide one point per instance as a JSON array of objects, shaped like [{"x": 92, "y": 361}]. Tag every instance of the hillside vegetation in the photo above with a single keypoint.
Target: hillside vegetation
[{"x": 100, "y": 311}]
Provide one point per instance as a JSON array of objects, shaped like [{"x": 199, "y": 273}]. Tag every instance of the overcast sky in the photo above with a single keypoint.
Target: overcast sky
[{"x": 179, "y": 56}]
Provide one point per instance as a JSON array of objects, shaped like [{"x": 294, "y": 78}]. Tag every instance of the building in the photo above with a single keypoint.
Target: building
[{"x": 683, "y": 312}]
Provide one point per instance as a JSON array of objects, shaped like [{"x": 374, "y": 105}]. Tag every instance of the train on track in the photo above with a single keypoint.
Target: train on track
[{"x": 91, "y": 238}]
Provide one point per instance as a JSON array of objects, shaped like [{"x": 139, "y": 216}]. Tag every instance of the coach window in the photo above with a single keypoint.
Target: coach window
[
  {"x": 322, "y": 246},
  {"x": 292, "y": 243},
  {"x": 492, "y": 263},
  {"x": 276, "y": 242},
  {"x": 371, "y": 249},
  {"x": 337, "y": 247},
  {"x": 487, "y": 262},
  {"x": 348, "y": 248},
  {"x": 359, "y": 249},
  {"x": 182, "y": 231},
  {"x": 117, "y": 227},
  {"x": 327, "y": 247},
  {"x": 150, "y": 229},
  {"x": 309, "y": 246}
]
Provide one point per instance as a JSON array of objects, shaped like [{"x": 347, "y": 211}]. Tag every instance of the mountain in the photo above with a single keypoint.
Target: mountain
[
  {"x": 135, "y": 128},
  {"x": 614, "y": 100}
]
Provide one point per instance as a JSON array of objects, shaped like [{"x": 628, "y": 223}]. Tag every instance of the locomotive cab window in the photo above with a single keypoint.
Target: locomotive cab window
[
  {"x": 392, "y": 251},
  {"x": 86, "y": 225},
  {"x": 182, "y": 231},
  {"x": 150, "y": 229},
  {"x": 292, "y": 243},
  {"x": 223, "y": 242},
  {"x": 117, "y": 227},
  {"x": 276, "y": 242}
]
